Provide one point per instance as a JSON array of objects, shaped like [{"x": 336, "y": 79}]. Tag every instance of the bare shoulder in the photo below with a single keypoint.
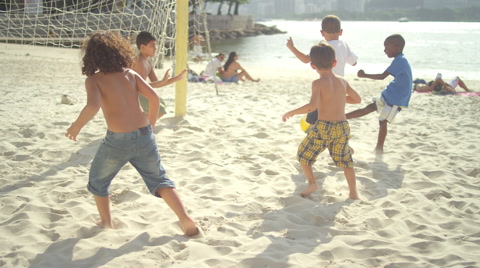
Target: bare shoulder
[
  {"x": 137, "y": 60},
  {"x": 331, "y": 82},
  {"x": 316, "y": 83},
  {"x": 342, "y": 80},
  {"x": 93, "y": 78},
  {"x": 92, "y": 81},
  {"x": 131, "y": 73},
  {"x": 339, "y": 78},
  {"x": 137, "y": 63}
]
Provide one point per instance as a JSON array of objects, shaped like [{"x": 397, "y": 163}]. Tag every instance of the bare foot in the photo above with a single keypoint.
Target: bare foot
[
  {"x": 189, "y": 227},
  {"x": 379, "y": 150},
  {"x": 104, "y": 225},
  {"x": 256, "y": 80},
  {"x": 310, "y": 189},
  {"x": 353, "y": 196}
]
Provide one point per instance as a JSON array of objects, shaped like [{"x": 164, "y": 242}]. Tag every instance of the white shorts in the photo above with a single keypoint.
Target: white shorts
[
  {"x": 385, "y": 110},
  {"x": 454, "y": 83}
]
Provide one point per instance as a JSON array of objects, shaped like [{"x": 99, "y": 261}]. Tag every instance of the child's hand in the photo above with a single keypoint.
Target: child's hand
[
  {"x": 290, "y": 43},
  {"x": 286, "y": 116},
  {"x": 166, "y": 75},
  {"x": 72, "y": 132},
  {"x": 180, "y": 76},
  {"x": 361, "y": 73}
]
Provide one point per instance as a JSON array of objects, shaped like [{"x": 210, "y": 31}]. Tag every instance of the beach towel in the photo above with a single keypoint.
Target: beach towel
[{"x": 468, "y": 94}]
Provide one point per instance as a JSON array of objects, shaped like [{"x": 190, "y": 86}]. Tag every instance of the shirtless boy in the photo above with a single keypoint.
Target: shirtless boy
[
  {"x": 330, "y": 93},
  {"x": 114, "y": 88},
  {"x": 147, "y": 45}
]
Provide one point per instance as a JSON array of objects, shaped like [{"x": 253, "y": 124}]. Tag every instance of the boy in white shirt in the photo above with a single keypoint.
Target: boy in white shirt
[{"x": 331, "y": 31}]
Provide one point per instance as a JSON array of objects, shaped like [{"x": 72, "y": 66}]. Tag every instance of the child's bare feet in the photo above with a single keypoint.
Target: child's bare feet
[
  {"x": 310, "y": 189},
  {"x": 189, "y": 227},
  {"x": 353, "y": 196},
  {"x": 104, "y": 225}
]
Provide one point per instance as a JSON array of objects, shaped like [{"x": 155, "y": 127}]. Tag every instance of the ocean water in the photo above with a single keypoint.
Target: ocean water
[{"x": 450, "y": 48}]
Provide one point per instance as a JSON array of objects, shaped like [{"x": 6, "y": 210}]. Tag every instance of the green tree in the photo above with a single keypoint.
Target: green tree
[
  {"x": 237, "y": 5},
  {"x": 220, "y": 5}
]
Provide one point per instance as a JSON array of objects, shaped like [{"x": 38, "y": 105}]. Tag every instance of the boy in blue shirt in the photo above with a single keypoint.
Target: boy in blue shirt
[{"x": 396, "y": 94}]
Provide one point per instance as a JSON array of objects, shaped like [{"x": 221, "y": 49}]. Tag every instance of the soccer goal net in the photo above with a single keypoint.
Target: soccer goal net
[{"x": 66, "y": 23}]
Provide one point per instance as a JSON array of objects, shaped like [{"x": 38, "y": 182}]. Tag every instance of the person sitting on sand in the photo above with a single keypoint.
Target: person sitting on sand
[
  {"x": 330, "y": 93},
  {"x": 213, "y": 68},
  {"x": 231, "y": 68},
  {"x": 197, "y": 41},
  {"x": 113, "y": 87},
  {"x": 439, "y": 86}
]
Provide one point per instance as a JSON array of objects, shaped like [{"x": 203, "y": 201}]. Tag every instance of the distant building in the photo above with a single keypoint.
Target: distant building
[
  {"x": 313, "y": 6},
  {"x": 351, "y": 5},
  {"x": 259, "y": 8},
  {"x": 446, "y": 3},
  {"x": 286, "y": 8}
]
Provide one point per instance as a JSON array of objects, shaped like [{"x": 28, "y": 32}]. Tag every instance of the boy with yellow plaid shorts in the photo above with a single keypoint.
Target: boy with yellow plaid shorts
[{"x": 330, "y": 93}]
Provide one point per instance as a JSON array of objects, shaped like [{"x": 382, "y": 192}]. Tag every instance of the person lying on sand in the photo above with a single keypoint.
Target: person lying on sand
[{"x": 439, "y": 86}]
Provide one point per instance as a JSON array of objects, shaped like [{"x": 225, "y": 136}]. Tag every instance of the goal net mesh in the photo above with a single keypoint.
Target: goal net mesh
[{"x": 66, "y": 23}]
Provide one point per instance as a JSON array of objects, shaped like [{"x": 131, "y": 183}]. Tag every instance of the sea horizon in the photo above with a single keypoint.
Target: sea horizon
[{"x": 431, "y": 47}]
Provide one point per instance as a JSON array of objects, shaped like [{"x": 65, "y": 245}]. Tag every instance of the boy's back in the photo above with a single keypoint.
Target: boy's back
[
  {"x": 329, "y": 93},
  {"x": 118, "y": 96}
]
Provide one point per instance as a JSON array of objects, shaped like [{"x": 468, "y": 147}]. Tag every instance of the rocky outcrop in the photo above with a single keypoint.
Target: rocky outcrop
[{"x": 259, "y": 29}]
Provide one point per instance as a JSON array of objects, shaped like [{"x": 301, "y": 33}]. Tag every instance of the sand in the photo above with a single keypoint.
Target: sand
[{"x": 233, "y": 160}]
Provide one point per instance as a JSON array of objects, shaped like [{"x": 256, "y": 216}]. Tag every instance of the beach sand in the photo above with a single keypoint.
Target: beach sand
[{"x": 234, "y": 163}]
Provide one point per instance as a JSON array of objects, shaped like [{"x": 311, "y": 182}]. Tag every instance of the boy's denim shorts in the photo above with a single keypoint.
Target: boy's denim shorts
[{"x": 140, "y": 149}]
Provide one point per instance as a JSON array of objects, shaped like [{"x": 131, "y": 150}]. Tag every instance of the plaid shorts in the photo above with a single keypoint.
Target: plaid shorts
[{"x": 323, "y": 135}]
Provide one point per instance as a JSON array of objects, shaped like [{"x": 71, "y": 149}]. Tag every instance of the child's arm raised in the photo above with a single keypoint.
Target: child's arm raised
[
  {"x": 302, "y": 57},
  {"x": 167, "y": 80},
  {"x": 362, "y": 74},
  {"x": 89, "y": 111}
]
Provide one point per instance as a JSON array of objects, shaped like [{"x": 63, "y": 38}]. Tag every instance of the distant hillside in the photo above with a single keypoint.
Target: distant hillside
[{"x": 471, "y": 14}]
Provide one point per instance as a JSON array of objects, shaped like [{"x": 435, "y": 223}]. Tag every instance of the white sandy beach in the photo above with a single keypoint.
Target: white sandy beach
[{"x": 234, "y": 163}]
